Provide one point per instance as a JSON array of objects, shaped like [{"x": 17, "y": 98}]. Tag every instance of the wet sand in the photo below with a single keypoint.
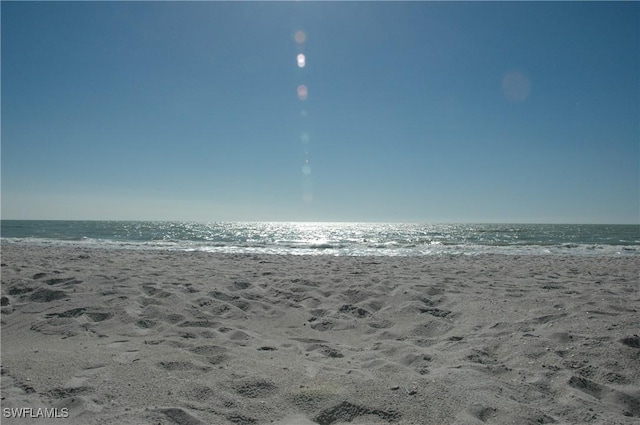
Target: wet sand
[{"x": 156, "y": 337}]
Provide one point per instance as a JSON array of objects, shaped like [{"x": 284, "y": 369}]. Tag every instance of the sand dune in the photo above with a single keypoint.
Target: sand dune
[{"x": 154, "y": 337}]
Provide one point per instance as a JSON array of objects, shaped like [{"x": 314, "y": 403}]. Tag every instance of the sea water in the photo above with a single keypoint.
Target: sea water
[{"x": 386, "y": 239}]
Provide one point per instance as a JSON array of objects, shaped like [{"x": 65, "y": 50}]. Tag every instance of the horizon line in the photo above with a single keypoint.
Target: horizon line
[{"x": 329, "y": 221}]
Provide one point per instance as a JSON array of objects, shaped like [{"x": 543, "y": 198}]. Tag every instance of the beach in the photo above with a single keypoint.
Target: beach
[{"x": 104, "y": 336}]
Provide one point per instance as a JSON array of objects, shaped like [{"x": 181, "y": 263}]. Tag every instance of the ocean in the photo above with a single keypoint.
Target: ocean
[{"x": 354, "y": 239}]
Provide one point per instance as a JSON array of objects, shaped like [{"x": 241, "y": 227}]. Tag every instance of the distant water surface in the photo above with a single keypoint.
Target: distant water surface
[{"x": 386, "y": 239}]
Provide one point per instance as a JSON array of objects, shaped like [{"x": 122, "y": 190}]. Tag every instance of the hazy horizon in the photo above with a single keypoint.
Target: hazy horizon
[
  {"x": 417, "y": 112},
  {"x": 507, "y": 223}
]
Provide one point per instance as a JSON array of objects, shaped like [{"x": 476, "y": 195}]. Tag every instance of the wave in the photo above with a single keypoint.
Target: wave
[
  {"x": 338, "y": 249},
  {"x": 332, "y": 238}
]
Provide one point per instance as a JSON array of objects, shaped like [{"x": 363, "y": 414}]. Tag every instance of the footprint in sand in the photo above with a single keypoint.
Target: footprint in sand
[
  {"x": 127, "y": 357},
  {"x": 180, "y": 365},
  {"x": 76, "y": 395},
  {"x": 629, "y": 403},
  {"x": 64, "y": 281},
  {"x": 347, "y": 412},
  {"x": 93, "y": 316},
  {"x": 146, "y": 323},
  {"x": 631, "y": 341},
  {"x": 432, "y": 328},
  {"x": 325, "y": 350},
  {"x": 212, "y": 353},
  {"x": 354, "y": 311},
  {"x": 66, "y": 392},
  {"x": 481, "y": 412},
  {"x": 199, "y": 324},
  {"x": 240, "y": 285},
  {"x": 202, "y": 393},
  {"x": 44, "y": 295},
  {"x": 221, "y": 296},
  {"x": 296, "y": 420},
  {"x": 181, "y": 417},
  {"x": 255, "y": 388}
]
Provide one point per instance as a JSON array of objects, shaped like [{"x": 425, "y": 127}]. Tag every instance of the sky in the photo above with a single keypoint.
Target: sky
[{"x": 397, "y": 111}]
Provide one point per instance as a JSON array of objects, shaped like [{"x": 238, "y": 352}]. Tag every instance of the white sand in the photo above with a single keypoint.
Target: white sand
[{"x": 133, "y": 337}]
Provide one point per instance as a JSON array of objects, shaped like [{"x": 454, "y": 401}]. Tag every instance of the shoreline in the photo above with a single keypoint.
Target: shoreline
[
  {"x": 588, "y": 251},
  {"x": 166, "y": 337}
]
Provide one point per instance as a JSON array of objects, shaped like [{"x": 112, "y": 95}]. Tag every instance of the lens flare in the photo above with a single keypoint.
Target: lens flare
[
  {"x": 303, "y": 92},
  {"x": 516, "y": 86},
  {"x": 301, "y": 60},
  {"x": 300, "y": 37},
  {"x": 307, "y": 197}
]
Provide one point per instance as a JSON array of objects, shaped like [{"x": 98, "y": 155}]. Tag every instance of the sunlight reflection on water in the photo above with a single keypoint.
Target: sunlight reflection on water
[{"x": 387, "y": 239}]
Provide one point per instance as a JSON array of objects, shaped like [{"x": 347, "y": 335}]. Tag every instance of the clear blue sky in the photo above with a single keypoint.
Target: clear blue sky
[{"x": 429, "y": 112}]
